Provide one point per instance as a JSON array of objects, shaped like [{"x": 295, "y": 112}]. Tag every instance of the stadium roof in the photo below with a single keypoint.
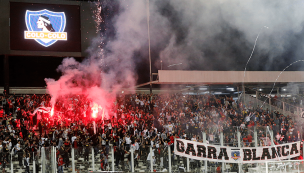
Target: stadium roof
[
  {"x": 223, "y": 81},
  {"x": 228, "y": 77}
]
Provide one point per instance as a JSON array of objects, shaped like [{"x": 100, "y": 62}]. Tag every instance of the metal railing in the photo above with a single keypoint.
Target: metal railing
[
  {"x": 147, "y": 158},
  {"x": 266, "y": 104}
]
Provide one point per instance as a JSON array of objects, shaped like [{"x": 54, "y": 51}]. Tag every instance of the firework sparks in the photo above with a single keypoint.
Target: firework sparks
[{"x": 97, "y": 17}]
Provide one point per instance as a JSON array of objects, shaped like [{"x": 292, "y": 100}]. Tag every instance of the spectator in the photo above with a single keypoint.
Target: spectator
[
  {"x": 3, "y": 164},
  {"x": 60, "y": 164},
  {"x": 26, "y": 163}
]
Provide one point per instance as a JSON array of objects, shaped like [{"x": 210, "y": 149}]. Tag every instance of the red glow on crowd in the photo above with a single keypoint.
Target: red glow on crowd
[{"x": 78, "y": 108}]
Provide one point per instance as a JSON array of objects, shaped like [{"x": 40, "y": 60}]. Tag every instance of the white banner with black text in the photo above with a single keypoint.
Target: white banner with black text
[{"x": 216, "y": 153}]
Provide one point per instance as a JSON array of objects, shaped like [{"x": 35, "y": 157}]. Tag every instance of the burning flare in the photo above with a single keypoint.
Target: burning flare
[
  {"x": 52, "y": 111},
  {"x": 94, "y": 109}
]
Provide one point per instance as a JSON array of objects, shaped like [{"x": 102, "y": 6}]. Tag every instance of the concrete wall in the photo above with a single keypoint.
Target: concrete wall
[
  {"x": 27, "y": 90},
  {"x": 41, "y": 90}
]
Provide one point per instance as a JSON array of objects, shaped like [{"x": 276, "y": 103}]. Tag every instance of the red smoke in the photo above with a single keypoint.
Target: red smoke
[{"x": 78, "y": 87}]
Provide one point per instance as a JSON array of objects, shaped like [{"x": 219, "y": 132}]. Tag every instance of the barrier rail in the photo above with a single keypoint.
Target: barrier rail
[{"x": 156, "y": 158}]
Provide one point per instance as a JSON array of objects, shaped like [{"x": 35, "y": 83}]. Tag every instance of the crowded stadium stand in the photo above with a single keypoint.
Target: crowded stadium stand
[
  {"x": 142, "y": 130},
  {"x": 187, "y": 121}
]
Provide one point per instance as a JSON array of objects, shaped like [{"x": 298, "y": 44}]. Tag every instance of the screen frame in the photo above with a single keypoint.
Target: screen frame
[{"x": 45, "y": 52}]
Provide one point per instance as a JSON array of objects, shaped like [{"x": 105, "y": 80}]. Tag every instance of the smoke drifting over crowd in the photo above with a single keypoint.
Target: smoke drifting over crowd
[
  {"x": 208, "y": 35},
  {"x": 199, "y": 35},
  {"x": 204, "y": 34}
]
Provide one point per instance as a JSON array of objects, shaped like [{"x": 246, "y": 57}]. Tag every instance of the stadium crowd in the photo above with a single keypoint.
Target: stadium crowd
[
  {"x": 291, "y": 102},
  {"x": 137, "y": 120}
]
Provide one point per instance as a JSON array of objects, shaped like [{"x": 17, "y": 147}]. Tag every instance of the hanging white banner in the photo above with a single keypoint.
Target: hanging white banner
[{"x": 215, "y": 153}]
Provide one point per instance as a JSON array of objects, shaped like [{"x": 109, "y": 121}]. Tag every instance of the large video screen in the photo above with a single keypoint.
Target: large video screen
[{"x": 45, "y": 27}]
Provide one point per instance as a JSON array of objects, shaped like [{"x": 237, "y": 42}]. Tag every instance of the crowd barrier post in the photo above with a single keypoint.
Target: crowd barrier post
[
  {"x": 266, "y": 166},
  {"x": 12, "y": 166},
  {"x": 269, "y": 97},
  {"x": 256, "y": 99},
  {"x": 43, "y": 159},
  {"x": 239, "y": 146},
  {"x": 271, "y": 137},
  {"x": 243, "y": 92},
  {"x": 52, "y": 160},
  {"x": 34, "y": 164},
  {"x": 205, "y": 141},
  {"x": 151, "y": 159},
  {"x": 73, "y": 160},
  {"x": 239, "y": 137},
  {"x": 132, "y": 159},
  {"x": 267, "y": 129},
  {"x": 255, "y": 135},
  {"x": 256, "y": 140},
  {"x": 55, "y": 163},
  {"x": 93, "y": 160},
  {"x": 283, "y": 107},
  {"x": 55, "y": 159},
  {"x": 169, "y": 158},
  {"x": 188, "y": 165},
  {"x": 112, "y": 150},
  {"x": 222, "y": 144}
]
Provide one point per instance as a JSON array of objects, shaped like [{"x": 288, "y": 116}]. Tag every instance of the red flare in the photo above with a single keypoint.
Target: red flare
[{"x": 52, "y": 111}]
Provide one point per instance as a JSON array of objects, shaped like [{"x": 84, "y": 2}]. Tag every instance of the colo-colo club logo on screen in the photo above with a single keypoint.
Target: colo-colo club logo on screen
[{"x": 44, "y": 26}]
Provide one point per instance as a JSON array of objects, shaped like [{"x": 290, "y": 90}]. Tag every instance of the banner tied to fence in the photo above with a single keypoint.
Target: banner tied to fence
[{"x": 216, "y": 153}]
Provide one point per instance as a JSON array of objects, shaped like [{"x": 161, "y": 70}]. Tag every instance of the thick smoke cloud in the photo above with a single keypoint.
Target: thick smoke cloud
[
  {"x": 199, "y": 35},
  {"x": 110, "y": 67},
  {"x": 79, "y": 79},
  {"x": 219, "y": 34}
]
